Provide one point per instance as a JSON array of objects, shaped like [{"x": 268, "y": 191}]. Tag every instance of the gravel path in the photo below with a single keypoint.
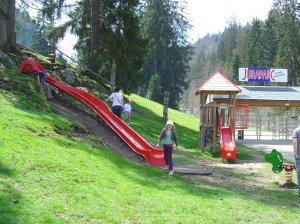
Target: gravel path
[{"x": 283, "y": 146}]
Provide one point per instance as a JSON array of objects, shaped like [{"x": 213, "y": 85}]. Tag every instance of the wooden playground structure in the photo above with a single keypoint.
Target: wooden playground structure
[
  {"x": 256, "y": 110},
  {"x": 217, "y": 84}
]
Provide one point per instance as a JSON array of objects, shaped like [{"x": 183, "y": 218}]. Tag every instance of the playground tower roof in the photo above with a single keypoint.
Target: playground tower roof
[{"x": 218, "y": 84}]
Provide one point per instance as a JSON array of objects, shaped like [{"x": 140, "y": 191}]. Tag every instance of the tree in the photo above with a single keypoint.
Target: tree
[
  {"x": 95, "y": 26},
  {"x": 235, "y": 69},
  {"x": 221, "y": 51},
  {"x": 38, "y": 43},
  {"x": 7, "y": 23},
  {"x": 198, "y": 66},
  {"x": 120, "y": 41},
  {"x": 255, "y": 47},
  {"x": 155, "y": 88},
  {"x": 229, "y": 39},
  {"x": 51, "y": 11},
  {"x": 24, "y": 28},
  {"x": 269, "y": 40},
  {"x": 287, "y": 30},
  {"x": 166, "y": 25},
  {"x": 212, "y": 58},
  {"x": 241, "y": 45}
]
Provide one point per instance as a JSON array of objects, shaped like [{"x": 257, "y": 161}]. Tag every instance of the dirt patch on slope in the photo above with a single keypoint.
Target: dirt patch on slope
[{"x": 97, "y": 128}]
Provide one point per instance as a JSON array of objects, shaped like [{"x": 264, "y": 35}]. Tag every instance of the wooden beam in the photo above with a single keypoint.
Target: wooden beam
[{"x": 262, "y": 103}]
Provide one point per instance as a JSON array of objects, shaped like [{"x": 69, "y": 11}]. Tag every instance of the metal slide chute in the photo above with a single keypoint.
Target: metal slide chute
[{"x": 153, "y": 156}]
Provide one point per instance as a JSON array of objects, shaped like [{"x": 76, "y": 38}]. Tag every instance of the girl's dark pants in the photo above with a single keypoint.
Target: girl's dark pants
[{"x": 168, "y": 151}]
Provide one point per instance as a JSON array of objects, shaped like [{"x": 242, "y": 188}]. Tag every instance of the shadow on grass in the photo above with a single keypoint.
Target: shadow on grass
[{"x": 10, "y": 196}]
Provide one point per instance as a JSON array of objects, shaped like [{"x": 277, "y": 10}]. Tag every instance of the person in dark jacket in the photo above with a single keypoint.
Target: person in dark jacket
[
  {"x": 41, "y": 76},
  {"x": 169, "y": 136}
]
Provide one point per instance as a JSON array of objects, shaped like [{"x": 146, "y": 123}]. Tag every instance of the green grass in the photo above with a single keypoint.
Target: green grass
[
  {"x": 145, "y": 111},
  {"x": 47, "y": 175}
]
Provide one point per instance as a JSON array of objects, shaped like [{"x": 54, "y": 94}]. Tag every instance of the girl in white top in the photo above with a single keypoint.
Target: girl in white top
[{"x": 117, "y": 99}]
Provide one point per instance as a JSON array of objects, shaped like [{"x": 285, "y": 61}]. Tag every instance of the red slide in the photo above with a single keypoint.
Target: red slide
[
  {"x": 153, "y": 156},
  {"x": 227, "y": 143}
]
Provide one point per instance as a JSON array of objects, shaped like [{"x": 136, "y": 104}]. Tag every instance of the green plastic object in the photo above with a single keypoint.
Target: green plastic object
[{"x": 276, "y": 159}]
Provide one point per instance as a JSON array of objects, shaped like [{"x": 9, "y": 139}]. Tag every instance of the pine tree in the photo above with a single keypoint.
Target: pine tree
[
  {"x": 221, "y": 51},
  {"x": 197, "y": 69},
  {"x": 212, "y": 58},
  {"x": 255, "y": 47},
  {"x": 166, "y": 25},
  {"x": 241, "y": 45},
  {"x": 155, "y": 88},
  {"x": 287, "y": 30},
  {"x": 38, "y": 43},
  {"x": 269, "y": 40},
  {"x": 235, "y": 69},
  {"x": 120, "y": 41},
  {"x": 229, "y": 44}
]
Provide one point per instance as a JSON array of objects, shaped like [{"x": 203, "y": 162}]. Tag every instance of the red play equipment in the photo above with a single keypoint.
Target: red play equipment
[
  {"x": 242, "y": 116},
  {"x": 227, "y": 143},
  {"x": 241, "y": 119},
  {"x": 153, "y": 156}
]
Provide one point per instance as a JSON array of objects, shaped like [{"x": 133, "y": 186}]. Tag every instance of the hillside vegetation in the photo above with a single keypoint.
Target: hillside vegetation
[{"x": 48, "y": 175}]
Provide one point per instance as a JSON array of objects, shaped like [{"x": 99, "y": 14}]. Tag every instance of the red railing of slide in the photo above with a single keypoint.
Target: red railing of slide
[{"x": 153, "y": 156}]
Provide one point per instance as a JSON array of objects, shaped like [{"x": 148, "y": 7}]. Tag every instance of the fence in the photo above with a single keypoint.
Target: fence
[{"x": 266, "y": 123}]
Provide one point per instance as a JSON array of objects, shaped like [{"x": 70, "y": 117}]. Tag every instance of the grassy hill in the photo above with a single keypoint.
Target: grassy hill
[{"x": 48, "y": 175}]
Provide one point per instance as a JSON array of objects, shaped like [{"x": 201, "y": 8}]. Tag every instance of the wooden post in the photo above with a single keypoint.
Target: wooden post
[
  {"x": 234, "y": 116},
  {"x": 51, "y": 48},
  {"x": 113, "y": 75},
  {"x": 166, "y": 103},
  {"x": 202, "y": 121},
  {"x": 214, "y": 134},
  {"x": 148, "y": 95}
]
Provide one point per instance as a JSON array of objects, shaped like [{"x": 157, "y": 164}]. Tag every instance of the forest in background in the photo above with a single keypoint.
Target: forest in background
[
  {"x": 142, "y": 45},
  {"x": 273, "y": 43},
  {"x": 139, "y": 45}
]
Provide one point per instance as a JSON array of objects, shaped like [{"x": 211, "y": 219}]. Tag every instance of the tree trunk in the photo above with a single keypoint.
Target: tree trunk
[
  {"x": 95, "y": 26},
  {"x": 166, "y": 104},
  {"x": 113, "y": 75},
  {"x": 3, "y": 22},
  {"x": 11, "y": 36},
  {"x": 53, "y": 44},
  {"x": 7, "y": 23}
]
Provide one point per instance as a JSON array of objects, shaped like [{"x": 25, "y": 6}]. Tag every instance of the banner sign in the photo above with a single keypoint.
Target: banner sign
[{"x": 263, "y": 75}]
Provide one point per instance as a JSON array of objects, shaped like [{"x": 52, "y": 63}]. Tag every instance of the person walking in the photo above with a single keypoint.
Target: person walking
[
  {"x": 169, "y": 136},
  {"x": 296, "y": 146},
  {"x": 117, "y": 99},
  {"x": 127, "y": 111},
  {"x": 41, "y": 76}
]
